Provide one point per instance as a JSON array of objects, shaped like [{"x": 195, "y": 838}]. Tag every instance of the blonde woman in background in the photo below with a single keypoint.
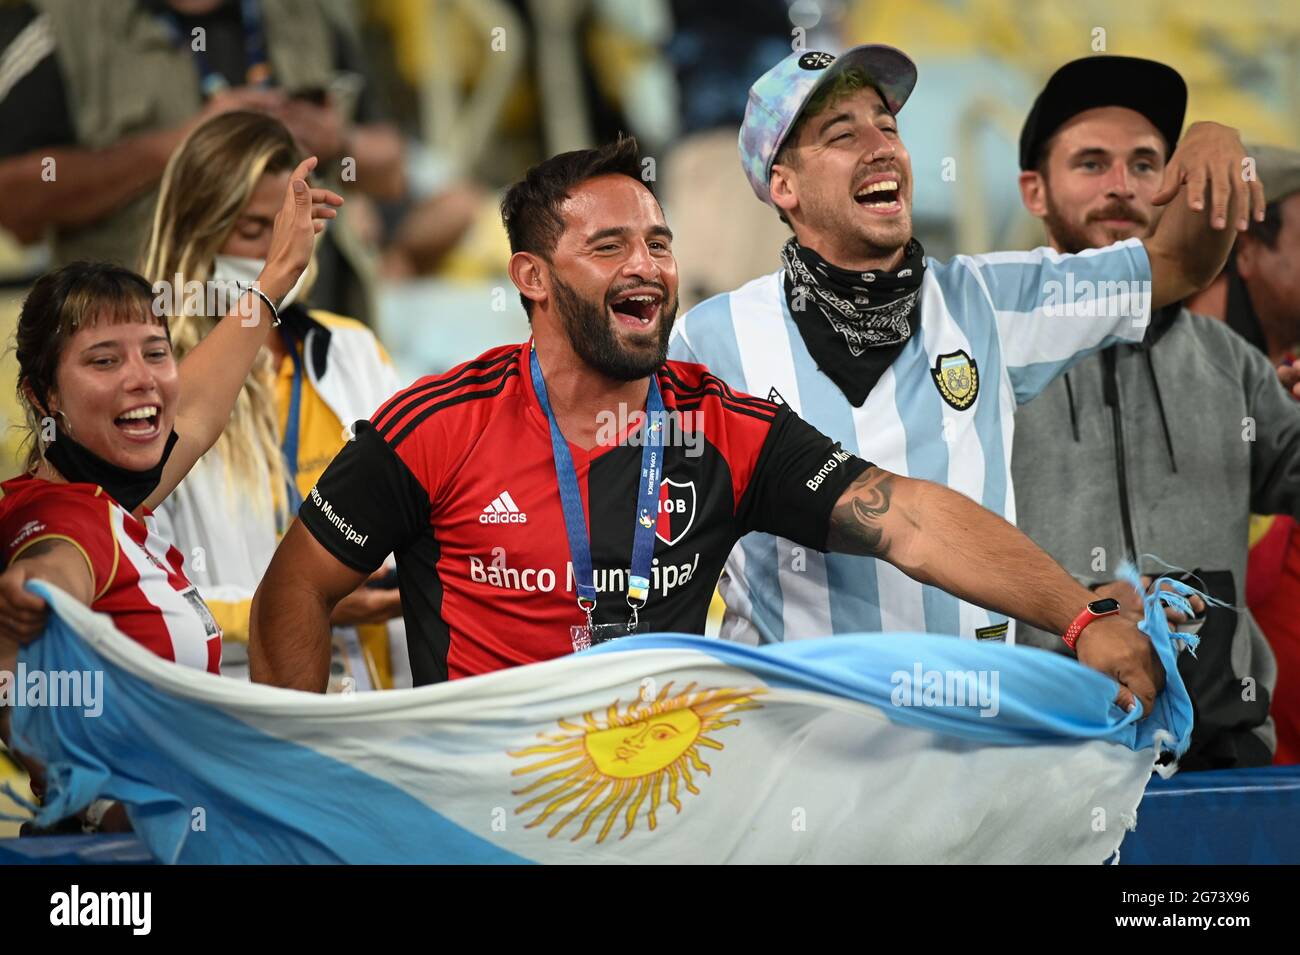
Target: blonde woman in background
[{"x": 320, "y": 373}]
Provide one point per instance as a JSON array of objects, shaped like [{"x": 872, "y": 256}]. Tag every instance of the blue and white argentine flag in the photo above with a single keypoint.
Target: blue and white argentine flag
[
  {"x": 648, "y": 749},
  {"x": 995, "y": 330}
]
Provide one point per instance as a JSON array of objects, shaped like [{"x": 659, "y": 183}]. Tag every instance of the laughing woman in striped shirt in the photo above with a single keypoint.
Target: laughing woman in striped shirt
[{"x": 116, "y": 422}]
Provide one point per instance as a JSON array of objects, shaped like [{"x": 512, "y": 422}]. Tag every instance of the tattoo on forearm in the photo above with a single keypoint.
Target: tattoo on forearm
[{"x": 857, "y": 520}]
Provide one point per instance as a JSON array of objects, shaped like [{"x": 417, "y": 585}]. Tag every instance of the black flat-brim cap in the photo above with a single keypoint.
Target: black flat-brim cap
[{"x": 1144, "y": 86}]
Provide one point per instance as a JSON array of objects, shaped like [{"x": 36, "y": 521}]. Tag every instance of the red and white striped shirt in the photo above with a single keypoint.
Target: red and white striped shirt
[{"x": 138, "y": 579}]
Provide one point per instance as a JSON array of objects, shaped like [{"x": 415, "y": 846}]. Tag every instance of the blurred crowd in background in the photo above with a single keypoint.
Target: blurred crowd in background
[{"x": 440, "y": 103}]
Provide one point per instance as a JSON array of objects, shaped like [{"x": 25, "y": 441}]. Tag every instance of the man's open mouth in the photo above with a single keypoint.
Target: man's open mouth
[
  {"x": 880, "y": 196},
  {"x": 637, "y": 309},
  {"x": 140, "y": 423}
]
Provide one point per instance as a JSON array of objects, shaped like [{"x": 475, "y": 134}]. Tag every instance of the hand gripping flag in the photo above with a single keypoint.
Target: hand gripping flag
[{"x": 870, "y": 748}]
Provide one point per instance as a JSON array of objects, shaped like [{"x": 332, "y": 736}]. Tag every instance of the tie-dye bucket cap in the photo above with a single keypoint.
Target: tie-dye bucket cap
[{"x": 778, "y": 97}]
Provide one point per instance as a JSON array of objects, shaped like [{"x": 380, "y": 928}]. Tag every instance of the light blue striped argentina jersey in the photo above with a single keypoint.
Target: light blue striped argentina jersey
[{"x": 995, "y": 330}]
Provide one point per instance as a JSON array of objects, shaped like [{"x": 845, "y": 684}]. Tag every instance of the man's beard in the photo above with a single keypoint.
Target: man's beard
[
  {"x": 1075, "y": 238},
  {"x": 878, "y": 244},
  {"x": 592, "y": 334}
]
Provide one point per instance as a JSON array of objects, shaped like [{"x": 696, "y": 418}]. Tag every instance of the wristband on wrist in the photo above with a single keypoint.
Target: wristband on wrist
[
  {"x": 95, "y": 814},
  {"x": 1095, "y": 610},
  {"x": 275, "y": 313}
]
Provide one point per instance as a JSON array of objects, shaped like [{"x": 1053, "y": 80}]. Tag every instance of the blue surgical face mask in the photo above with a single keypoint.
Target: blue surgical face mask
[{"x": 238, "y": 268}]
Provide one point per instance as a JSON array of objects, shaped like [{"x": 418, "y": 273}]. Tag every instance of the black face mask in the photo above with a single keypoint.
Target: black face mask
[{"x": 79, "y": 464}]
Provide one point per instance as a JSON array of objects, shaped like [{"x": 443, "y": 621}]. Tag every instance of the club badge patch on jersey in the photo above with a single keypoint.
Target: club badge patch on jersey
[
  {"x": 210, "y": 627},
  {"x": 676, "y": 510},
  {"x": 958, "y": 379}
]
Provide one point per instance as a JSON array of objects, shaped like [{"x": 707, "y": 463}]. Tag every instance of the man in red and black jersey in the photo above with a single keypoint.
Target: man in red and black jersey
[{"x": 462, "y": 476}]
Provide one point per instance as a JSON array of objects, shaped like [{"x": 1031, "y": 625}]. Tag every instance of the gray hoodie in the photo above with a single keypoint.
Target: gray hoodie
[{"x": 1166, "y": 448}]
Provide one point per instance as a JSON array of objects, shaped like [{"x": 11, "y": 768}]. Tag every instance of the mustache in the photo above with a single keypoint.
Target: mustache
[
  {"x": 1118, "y": 210},
  {"x": 657, "y": 286}
]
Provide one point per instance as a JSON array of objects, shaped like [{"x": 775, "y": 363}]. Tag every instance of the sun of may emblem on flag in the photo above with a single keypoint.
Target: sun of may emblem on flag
[
  {"x": 957, "y": 378},
  {"x": 609, "y": 766}
]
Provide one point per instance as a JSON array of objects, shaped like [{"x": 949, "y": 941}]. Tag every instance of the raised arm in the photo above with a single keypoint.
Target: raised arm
[
  {"x": 289, "y": 639},
  {"x": 942, "y": 538},
  {"x": 212, "y": 374},
  {"x": 1191, "y": 243}
]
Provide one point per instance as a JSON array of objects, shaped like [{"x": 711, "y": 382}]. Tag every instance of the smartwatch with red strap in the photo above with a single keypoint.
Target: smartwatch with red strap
[{"x": 1094, "y": 611}]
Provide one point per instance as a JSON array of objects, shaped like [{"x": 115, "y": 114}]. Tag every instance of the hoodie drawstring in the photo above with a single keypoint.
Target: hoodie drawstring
[
  {"x": 1074, "y": 418},
  {"x": 1160, "y": 406}
]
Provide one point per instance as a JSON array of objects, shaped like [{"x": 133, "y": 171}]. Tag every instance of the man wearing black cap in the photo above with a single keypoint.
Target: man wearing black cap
[{"x": 1157, "y": 450}]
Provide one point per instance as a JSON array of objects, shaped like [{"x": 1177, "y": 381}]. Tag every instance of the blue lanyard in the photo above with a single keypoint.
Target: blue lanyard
[
  {"x": 575, "y": 516},
  {"x": 257, "y": 69},
  {"x": 289, "y": 442}
]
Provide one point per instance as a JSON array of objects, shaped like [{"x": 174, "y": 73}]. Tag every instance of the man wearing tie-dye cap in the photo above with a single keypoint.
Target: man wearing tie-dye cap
[{"x": 914, "y": 363}]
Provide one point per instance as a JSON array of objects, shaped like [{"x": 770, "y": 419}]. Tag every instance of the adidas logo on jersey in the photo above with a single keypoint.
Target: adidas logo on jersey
[{"x": 503, "y": 510}]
